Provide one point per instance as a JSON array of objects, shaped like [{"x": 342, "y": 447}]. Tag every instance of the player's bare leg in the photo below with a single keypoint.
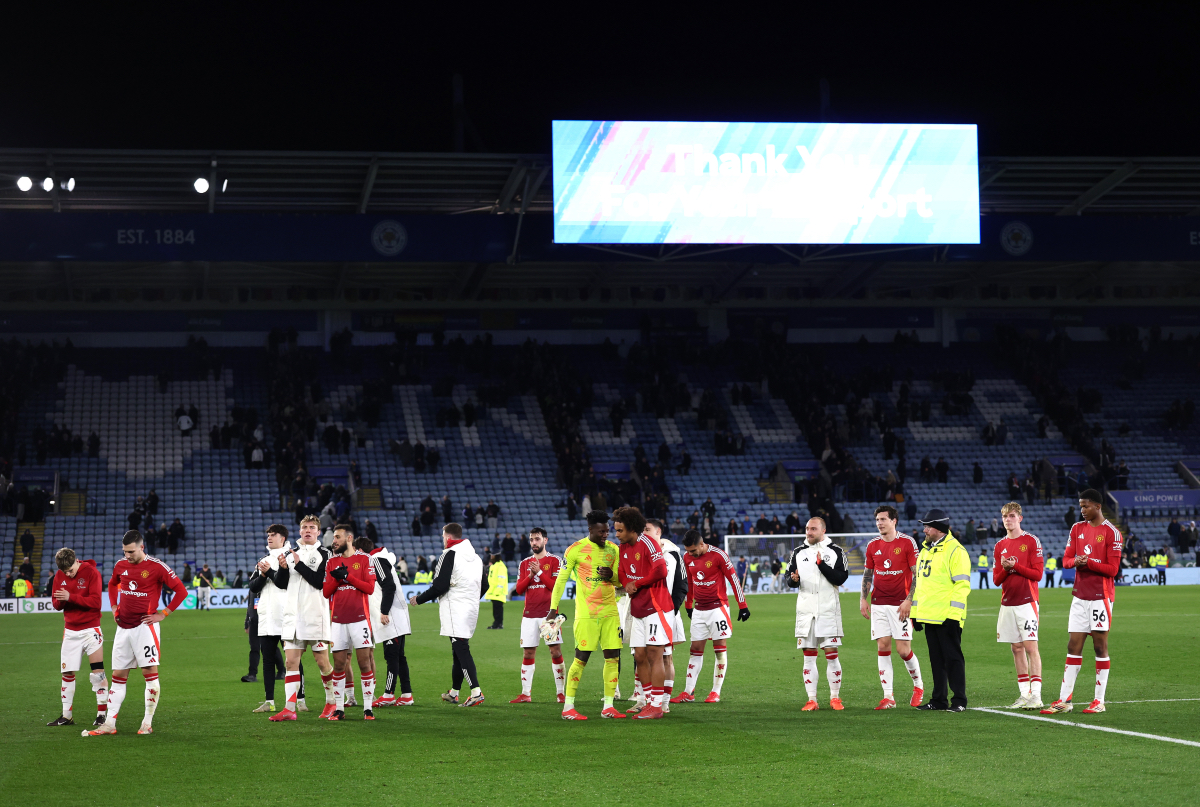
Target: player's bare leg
[{"x": 366, "y": 671}]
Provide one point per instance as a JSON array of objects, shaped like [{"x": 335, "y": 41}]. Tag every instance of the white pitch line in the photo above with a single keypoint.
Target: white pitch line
[{"x": 1089, "y": 726}]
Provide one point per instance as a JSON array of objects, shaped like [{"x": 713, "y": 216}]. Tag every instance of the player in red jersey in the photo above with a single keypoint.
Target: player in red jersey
[
  {"x": 1017, "y": 569},
  {"x": 77, "y": 589},
  {"x": 709, "y": 569},
  {"x": 642, "y": 573},
  {"x": 890, "y": 565},
  {"x": 535, "y": 579},
  {"x": 134, "y": 591},
  {"x": 1094, "y": 552},
  {"x": 349, "y": 581}
]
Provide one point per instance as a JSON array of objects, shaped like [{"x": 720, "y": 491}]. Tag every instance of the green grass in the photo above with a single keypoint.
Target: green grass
[{"x": 754, "y": 747}]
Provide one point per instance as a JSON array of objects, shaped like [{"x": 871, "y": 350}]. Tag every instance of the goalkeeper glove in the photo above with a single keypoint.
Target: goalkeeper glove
[
  {"x": 743, "y": 614},
  {"x": 340, "y": 573},
  {"x": 689, "y": 613}
]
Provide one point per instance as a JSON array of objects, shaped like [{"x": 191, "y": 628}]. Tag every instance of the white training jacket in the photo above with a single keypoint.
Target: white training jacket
[
  {"x": 306, "y": 618},
  {"x": 398, "y": 624},
  {"x": 272, "y": 600},
  {"x": 458, "y": 608},
  {"x": 817, "y": 599}
]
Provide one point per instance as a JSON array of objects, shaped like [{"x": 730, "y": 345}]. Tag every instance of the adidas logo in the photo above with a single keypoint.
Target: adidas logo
[{"x": 878, "y": 552}]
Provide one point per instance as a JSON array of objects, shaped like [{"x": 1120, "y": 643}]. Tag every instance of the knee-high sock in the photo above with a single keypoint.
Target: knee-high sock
[
  {"x": 1035, "y": 687},
  {"x": 67, "y": 693},
  {"x": 527, "y": 667},
  {"x": 885, "y": 672},
  {"x": 368, "y": 687},
  {"x": 695, "y": 665},
  {"x": 1102, "y": 665},
  {"x": 833, "y": 668},
  {"x": 1074, "y": 665},
  {"x": 811, "y": 676},
  {"x": 100, "y": 687},
  {"x": 291, "y": 689},
  {"x": 720, "y": 670},
  {"x": 560, "y": 674},
  {"x": 327, "y": 683},
  {"x": 153, "y": 695},
  {"x": 573, "y": 677},
  {"x": 611, "y": 673},
  {"x": 115, "y": 698},
  {"x": 462, "y": 652},
  {"x": 914, "y": 669},
  {"x": 339, "y": 691}
]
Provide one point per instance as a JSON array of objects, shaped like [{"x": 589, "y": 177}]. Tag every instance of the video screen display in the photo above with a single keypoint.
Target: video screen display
[{"x": 658, "y": 182}]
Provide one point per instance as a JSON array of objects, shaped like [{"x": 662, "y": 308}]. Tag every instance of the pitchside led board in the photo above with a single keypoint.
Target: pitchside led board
[{"x": 658, "y": 182}]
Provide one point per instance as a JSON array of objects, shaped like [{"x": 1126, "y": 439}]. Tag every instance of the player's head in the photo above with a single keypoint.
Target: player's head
[
  {"x": 364, "y": 544},
  {"x": 597, "y": 522},
  {"x": 451, "y": 534},
  {"x": 133, "y": 547},
  {"x": 537, "y": 540},
  {"x": 885, "y": 519},
  {"x": 65, "y": 559},
  {"x": 654, "y": 528},
  {"x": 1010, "y": 514},
  {"x": 343, "y": 539},
  {"x": 276, "y": 536},
  {"x": 310, "y": 529},
  {"x": 814, "y": 530},
  {"x": 1091, "y": 505},
  {"x": 693, "y": 543},
  {"x": 629, "y": 523}
]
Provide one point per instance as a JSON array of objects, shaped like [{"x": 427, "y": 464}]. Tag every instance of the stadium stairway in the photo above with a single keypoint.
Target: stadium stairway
[{"x": 38, "y": 529}]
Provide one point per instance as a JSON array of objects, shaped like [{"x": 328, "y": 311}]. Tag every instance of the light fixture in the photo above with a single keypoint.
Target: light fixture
[
  {"x": 201, "y": 185},
  {"x": 47, "y": 184},
  {"x": 24, "y": 183},
  {"x": 224, "y": 185},
  {"x": 67, "y": 184}
]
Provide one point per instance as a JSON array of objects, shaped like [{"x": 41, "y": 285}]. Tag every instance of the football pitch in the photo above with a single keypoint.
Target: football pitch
[{"x": 754, "y": 747}]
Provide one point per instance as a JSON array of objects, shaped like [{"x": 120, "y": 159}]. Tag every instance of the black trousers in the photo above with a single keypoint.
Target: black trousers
[
  {"x": 497, "y": 613},
  {"x": 946, "y": 659},
  {"x": 272, "y": 658},
  {"x": 397, "y": 666},
  {"x": 463, "y": 666},
  {"x": 256, "y": 645},
  {"x": 1162, "y": 577},
  {"x": 1049, "y": 579},
  {"x": 983, "y": 579}
]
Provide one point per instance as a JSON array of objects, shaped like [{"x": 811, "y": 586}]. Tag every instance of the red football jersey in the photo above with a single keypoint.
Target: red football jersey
[
  {"x": 642, "y": 562},
  {"x": 892, "y": 563},
  {"x": 1102, "y": 546},
  {"x": 82, "y": 610},
  {"x": 135, "y": 589},
  {"x": 348, "y": 598},
  {"x": 706, "y": 576},
  {"x": 1021, "y": 584},
  {"x": 535, "y": 579}
]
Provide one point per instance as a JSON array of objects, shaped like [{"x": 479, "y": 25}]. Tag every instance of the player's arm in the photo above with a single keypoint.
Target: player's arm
[
  {"x": 89, "y": 600},
  {"x": 331, "y": 583},
  {"x": 999, "y": 573},
  {"x": 837, "y": 572},
  {"x": 689, "y": 602},
  {"x": 565, "y": 573},
  {"x": 441, "y": 583},
  {"x": 280, "y": 576},
  {"x": 523, "y": 578},
  {"x": 1069, "y": 554},
  {"x": 1112, "y": 565},
  {"x": 679, "y": 584},
  {"x": 256, "y": 582},
  {"x": 1035, "y": 568},
  {"x": 793, "y": 569},
  {"x": 181, "y": 593},
  {"x": 960, "y": 581},
  {"x": 387, "y": 585},
  {"x": 731, "y": 576},
  {"x": 658, "y": 568},
  {"x": 114, "y": 586}
]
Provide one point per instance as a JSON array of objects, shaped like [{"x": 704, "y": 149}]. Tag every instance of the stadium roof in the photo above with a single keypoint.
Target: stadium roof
[{"x": 352, "y": 182}]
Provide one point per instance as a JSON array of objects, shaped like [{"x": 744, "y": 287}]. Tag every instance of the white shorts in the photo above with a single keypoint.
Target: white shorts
[
  {"x": 531, "y": 632},
  {"x": 886, "y": 621},
  {"x": 1017, "y": 623},
  {"x": 136, "y": 647},
  {"x": 678, "y": 634},
  {"x": 77, "y": 643},
  {"x": 624, "y": 620},
  {"x": 317, "y": 645},
  {"x": 352, "y": 634},
  {"x": 1088, "y": 616},
  {"x": 812, "y": 640},
  {"x": 649, "y": 630},
  {"x": 711, "y": 624}
]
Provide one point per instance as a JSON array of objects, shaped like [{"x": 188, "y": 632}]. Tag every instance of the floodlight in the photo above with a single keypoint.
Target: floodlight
[
  {"x": 24, "y": 183},
  {"x": 67, "y": 184},
  {"x": 201, "y": 185},
  {"x": 47, "y": 184}
]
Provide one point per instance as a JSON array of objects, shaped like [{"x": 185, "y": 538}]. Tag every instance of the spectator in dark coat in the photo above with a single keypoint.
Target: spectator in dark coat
[
  {"x": 508, "y": 547},
  {"x": 175, "y": 536},
  {"x": 27, "y": 541}
]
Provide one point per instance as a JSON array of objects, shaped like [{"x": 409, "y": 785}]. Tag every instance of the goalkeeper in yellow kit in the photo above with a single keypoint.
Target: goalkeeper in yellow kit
[{"x": 591, "y": 561}]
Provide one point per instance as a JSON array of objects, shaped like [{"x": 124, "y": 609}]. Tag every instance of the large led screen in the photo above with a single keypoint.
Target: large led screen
[{"x": 658, "y": 182}]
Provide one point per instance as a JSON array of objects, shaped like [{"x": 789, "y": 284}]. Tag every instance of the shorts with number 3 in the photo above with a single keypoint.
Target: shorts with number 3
[{"x": 352, "y": 634}]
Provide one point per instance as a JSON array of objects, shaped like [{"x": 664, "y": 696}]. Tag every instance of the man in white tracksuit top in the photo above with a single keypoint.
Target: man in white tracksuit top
[
  {"x": 306, "y": 621},
  {"x": 389, "y": 622},
  {"x": 818, "y": 567},
  {"x": 457, "y": 586}
]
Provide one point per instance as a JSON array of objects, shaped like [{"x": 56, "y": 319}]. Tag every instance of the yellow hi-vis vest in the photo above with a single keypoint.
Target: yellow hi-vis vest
[
  {"x": 1051, "y": 564},
  {"x": 983, "y": 562},
  {"x": 497, "y": 583},
  {"x": 943, "y": 582},
  {"x": 422, "y": 578}
]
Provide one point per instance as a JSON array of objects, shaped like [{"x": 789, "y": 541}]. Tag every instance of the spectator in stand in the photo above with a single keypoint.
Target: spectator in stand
[
  {"x": 969, "y": 531},
  {"x": 523, "y": 547},
  {"x": 943, "y": 470},
  {"x": 8, "y": 585},
  {"x": 402, "y": 570},
  {"x": 447, "y": 510},
  {"x": 508, "y": 547},
  {"x": 1030, "y": 491},
  {"x": 1173, "y": 531},
  {"x": 977, "y": 473},
  {"x": 434, "y": 458},
  {"x": 480, "y": 516},
  {"x": 134, "y": 519},
  {"x": 762, "y": 526},
  {"x": 150, "y": 538},
  {"x": 793, "y": 523},
  {"x": 27, "y": 542},
  {"x": 685, "y": 463},
  {"x": 572, "y": 508},
  {"x": 776, "y": 527},
  {"x": 26, "y": 569},
  {"x": 416, "y": 527},
  {"x": 747, "y": 527},
  {"x": 219, "y": 580},
  {"x": 993, "y": 532},
  {"x": 910, "y": 509},
  {"x": 239, "y": 581},
  {"x": 492, "y": 514},
  {"x": 1069, "y": 518},
  {"x": 732, "y": 528},
  {"x": 176, "y": 534}
]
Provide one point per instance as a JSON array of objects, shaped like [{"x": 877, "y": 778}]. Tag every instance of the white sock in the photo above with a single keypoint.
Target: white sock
[
  {"x": 560, "y": 676},
  {"x": 695, "y": 665},
  {"x": 811, "y": 676},
  {"x": 1035, "y": 687},
  {"x": 339, "y": 692},
  {"x": 291, "y": 687},
  {"x": 153, "y": 695},
  {"x": 1102, "y": 665},
  {"x": 527, "y": 676},
  {"x": 100, "y": 687},
  {"x": 1074, "y": 665},
  {"x": 668, "y": 685},
  {"x": 833, "y": 668},
  {"x": 116, "y": 697},
  {"x": 327, "y": 683},
  {"x": 67, "y": 693},
  {"x": 476, "y": 692},
  {"x": 885, "y": 673},
  {"x": 913, "y": 665},
  {"x": 638, "y": 692},
  {"x": 368, "y": 688},
  {"x": 1023, "y": 684},
  {"x": 720, "y": 670}
]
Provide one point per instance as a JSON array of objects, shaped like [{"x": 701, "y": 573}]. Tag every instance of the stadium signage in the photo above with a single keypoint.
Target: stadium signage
[{"x": 1156, "y": 498}]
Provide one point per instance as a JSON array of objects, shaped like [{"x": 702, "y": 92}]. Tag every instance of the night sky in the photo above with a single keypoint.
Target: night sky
[{"x": 1098, "y": 80}]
